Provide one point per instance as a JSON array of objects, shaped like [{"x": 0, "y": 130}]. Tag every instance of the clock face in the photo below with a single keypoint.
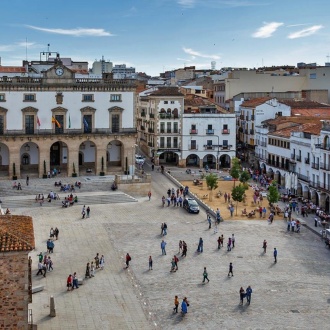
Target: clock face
[{"x": 59, "y": 71}]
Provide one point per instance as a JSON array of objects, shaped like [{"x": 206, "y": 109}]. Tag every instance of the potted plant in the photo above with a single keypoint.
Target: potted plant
[
  {"x": 14, "y": 172},
  {"x": 44, "y": 176},
  {"x": 102, "y": 167},
  {"x": 74, "y": 174}
]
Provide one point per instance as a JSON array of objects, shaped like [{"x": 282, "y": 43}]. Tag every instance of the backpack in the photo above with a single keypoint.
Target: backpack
[{"x": 129, "y": 258}]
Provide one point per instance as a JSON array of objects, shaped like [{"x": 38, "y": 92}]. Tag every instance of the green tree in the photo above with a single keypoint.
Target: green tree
[
  {"x": 237, "y": 194},
  {"x": 244, "y": 178},
  {"x": 235, "y": 169},
  {"x": 273, "y": 195},
  {"x": 212, "y": 183}
]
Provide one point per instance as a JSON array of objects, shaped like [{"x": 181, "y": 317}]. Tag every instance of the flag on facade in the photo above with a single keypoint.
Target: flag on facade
[
  {"x": 69, "y": 122},
  {"x": 56, "y": 122},
  {"x": 85, "y": 124},
  {"x": 38, "y": 121}
]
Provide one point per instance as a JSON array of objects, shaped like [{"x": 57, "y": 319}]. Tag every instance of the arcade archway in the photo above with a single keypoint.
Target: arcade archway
[
  {"x": 224, "y": 161},
  {"x": 192, "y": 160},
  {"x": 29, "y": 159}
]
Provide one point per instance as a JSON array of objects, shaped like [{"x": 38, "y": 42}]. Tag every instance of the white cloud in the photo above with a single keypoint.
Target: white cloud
[
  {"x": 305, "y": 32},
  {"x": 267, "y": 30},
  {"x": 78, "y": 32},
  {"x": 187, "y": 3},
  {"x": 198, "y": 54},
  {"x": 6, "y": 48}
]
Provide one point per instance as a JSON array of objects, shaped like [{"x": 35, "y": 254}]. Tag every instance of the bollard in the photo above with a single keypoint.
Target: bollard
[{"x": 52, "y": 306}]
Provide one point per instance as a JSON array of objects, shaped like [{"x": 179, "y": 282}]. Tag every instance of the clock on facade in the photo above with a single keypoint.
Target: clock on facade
[{"x": 59, "y": 71}]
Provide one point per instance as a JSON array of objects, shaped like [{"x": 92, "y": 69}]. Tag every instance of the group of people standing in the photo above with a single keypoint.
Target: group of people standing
[{"x": 98, "y": 263}]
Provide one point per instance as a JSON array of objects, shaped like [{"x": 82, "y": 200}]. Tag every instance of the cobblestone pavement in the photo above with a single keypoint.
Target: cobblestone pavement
[{"x": 291, "y": 294}]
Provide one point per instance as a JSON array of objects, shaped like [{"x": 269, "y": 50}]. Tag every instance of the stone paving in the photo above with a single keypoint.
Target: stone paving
[{"x": 291, "y": 294}]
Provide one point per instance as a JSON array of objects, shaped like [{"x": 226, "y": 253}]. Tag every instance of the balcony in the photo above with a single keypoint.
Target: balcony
[
  {"x": 209, "y": 131},
  {"x": 193, "y": 131},
  {"x": 209, "y": 147},
  {"x": 314, "y": 184},
  {"x": 247, "y": 118},
  {"x": 322, "y": 186},
  {"x": 168, "y": 130},
  {"x": 225, "y": 147},
  {"x": 143, "y": 114},
  {"x": 150, "y": 130},
  {"x": 307, "y": 161},
  {"x": 325, "y": 166},
  {"x": 151, "y": 115},
  {"x": 193, "y": 147},
  {"x": 168, "y": 116},
  {"x": 303, "y": 177},
  {"x": 293, "y": 156},
  {"x": 241, "y": 117},
  {"x": 162, "y": 131},
  {"x": 325, "y": 147},
  {"x": 225, "y": 131},
  {"x": 316, "y": 166},
  {"x": 298, "y": 158},
  {"x": 252, "y": 131}
]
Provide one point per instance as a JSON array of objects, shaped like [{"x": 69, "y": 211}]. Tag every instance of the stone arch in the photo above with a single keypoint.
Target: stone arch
[
  {"x": 263, "y": 168},
  {"x": 270, "y": 173},
  {"x": 315, "y": 197},
  {"x": 299, "y": 189},
  {"x": 278, "y": 177},
  {"x": 306, "y": 192},
  {"x": 192, "y": 160},
  {"x": 29, "y": 159},
  {"x": 58, "y": 156},
  {"x": 4, "y": 158},
  {"x": 87, "y": 157},
  {"x": 115, "y": 152},
  {"x": 224, "y": 161},
  {"x": 168, "y": 157},
  {"x": 175, "y": 113},
  {"x": 326, "y": 142}
]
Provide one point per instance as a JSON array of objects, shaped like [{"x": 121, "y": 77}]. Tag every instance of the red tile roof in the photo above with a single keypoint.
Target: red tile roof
[
  {"x": 313, "y": 127},
  {"x": 12, "y": 69},
  {"x": 255, "y": 102},
  {"x": 16, "y": 233},
  {"x": 167, "y": 91},
  {"x": 311, "y": 112},
  {"x": 304, "y": 104}
]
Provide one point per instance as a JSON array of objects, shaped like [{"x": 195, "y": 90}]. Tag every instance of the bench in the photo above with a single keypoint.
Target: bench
[
  {"x": 37, "y": 288},
  {"x": 80, "y": 281}
]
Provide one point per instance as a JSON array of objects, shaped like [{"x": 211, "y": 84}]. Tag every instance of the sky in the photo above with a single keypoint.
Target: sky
[{"x": 161, "y": 35}]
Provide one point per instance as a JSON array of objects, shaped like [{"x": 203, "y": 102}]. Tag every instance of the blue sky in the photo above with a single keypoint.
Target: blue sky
[{"x": 158, "y": 35}]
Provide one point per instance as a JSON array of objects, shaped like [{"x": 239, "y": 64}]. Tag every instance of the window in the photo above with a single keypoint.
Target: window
[
  {"x": 165, "y": 102},
  {"x": 88, "y": 98},
  {"x": 168, "y": 142},
  {"x": 25, "y": 159},
  {"x": 29, "y": 124},
  {"x": 115, "y": 120},
  {"x": 175, "y": 142},
  {"x": 312, "y": 76},
  {"x": 288, "y": 145},
  {"x": 193, "y": 144},
  {"x": 175, "y": 128},
  {"x": 172, "y": 102},
  {"x": 162, "y": 127},
  {"x": 29, "y": 98},
  {"x": 87, "y": 123},
  {"x": 115, "y": 98},
  {"x": 2, "y": 98},
  {"x": 168, "y": 128},
  {"x": 60, "y": 121},
  {"x": 162, "y": 142},
  {"x": 2, "y": 121}
]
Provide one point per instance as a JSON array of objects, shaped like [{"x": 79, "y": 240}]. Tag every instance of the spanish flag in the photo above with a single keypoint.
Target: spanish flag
[{"x": 56, "y": 122}]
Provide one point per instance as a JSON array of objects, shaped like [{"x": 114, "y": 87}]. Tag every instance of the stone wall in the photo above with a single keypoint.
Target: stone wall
[{"x": 14, "y": 295}]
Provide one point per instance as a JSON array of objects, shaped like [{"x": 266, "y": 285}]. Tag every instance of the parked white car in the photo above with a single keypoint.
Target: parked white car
[{"x": 139, "y": 159}]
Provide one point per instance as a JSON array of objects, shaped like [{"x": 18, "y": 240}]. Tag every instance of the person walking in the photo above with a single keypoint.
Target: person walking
[
  {"x": 97, "y": 261},
  {"x": 209, "y": 220},
  {"x": 88, "y": 211},
  {"x": 229, "y": 244},
  {"x": 50, "y": 264},
  {"x": 200, "y": 245},
  {"x": 233, "y": 240},
  {"x": 264, "y": 246},
  {"x": 231, "y": 269},
  {"x": 180, "y": 246},
  {"x": 69, "y": 283},
  {"x": 56, "y": 232},
  {"x": 162, "y": 229},
  {"x": 176, "y": 260},
  {"x": 88, "y": 271},
  {"x": 176, "y": 304},
  {"x": 241, "y": 295},
  {"x": 149, "y": 195},
  {"x": 75, "y": 281},
  {"x": 163, "y": 201},
  {"x": 215, "y": 228},
  {"x": 219, "y": 242},
  {"x": 184, "y": 306},
  {"x": 40, "y": 269},
  {"x": 248, "y": 294},
  {"x": 150, "y": 263},
  {"x": 163, "y": 246},
  {"x": 102, "y": 262},
  {"x": 128, "y": 259},
  {"x": 231, "y": 209},
  {"x": 92, "y": 269},
  {"x": 184, "y": 249},
  {"x": 264, "y": 211},
  {"x": 205, "y": 276},
  {"x": 165, "y": 229},
  {"x": 27, "y": 180},
  {"x": 83, "y": 212},
  {"x": 275, "y": 255}
]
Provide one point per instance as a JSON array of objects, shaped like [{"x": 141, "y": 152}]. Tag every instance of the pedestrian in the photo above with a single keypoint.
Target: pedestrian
[
  {"x": 176, "y": 304},
  {"x": 92, "y": 269},
  {"x": 184, "y": 249},
  {"x": 165, "y": 229},
  {"x": 200, "y": 245},
  {"x": 180, "y": 246},
  {"x": 27, "y": 180},
  {"x": 83, "y": 212},
  {"x": 205, "y": 276},
  {"x": 219, "y": 243},
  {"x": 184, "y": 306},
  {"x": 172, "y": 266},
  {"x": 168, "y": 201},
  {"x": 264, "y": 246},
  {"x": 209, "y": 220},
  {"x": 176, "y": 260},
  {"x": 221, "y": 240},
  {"x": 228, "y": 197},
  {"x": 88, "y": 210},
  {"x": 75, "y": 281},
  {"x": 162, "y": 229},
  {"x": 97, "y": 261},
  {"x": 315, "y": 222},
  {"x": 264, "y": 211},
  {"x": 40, "y": 269},
  {"x": 260, "y": 211},
  {"x": 51, "y": 233},
  {"x": 150, "y": 263},
  {"x": 102, "y": 262},
  {"x": 288, "y": 222},
  {"x": 149, "y": 195},
  {"x": 233, "y": 240},
  {"x": 231, "y": 209},
  {"x": 225, "y": 197},
  {"x": 218, "y": 215},
  {"x": 293, "y": 224},
  {"x": 69, "y": 283},
  {"x": 231, "y": 269},
  {"x": 50, "y": 264},
  {"x": 56, "y": 232},
  {"x": 215, "y": 228},
  {"x": 41, "y": 257},
  {"x": 229, "y": 244},
  {"x": 248, "y": 294},
  {"x": 163, "y": 246},
  {"x": 275, "y": 255},
  {"x": 128, "y": 259},
  {"x": 88, "y": 271},
  {"x": 163, "y": 201},
  {"x": 241, "y": 295}
]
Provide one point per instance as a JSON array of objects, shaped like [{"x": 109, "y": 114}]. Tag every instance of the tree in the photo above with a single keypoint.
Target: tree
[
  {"x": 244, "y": 178},
  {"x": 237, "y": 194},
  {"x": 235, "y": 169},
  {"x": 212, "y": 183},
  {"x": 273, "y": 195}
]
